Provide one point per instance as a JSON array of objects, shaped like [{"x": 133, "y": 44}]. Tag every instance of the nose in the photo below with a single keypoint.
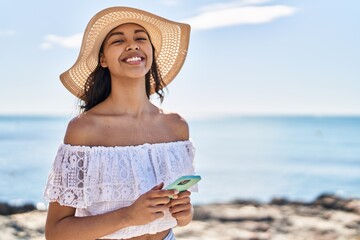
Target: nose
[{"x": 132, "y": 46}]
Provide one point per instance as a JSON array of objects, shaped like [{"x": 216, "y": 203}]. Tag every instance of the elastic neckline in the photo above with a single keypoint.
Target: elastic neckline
[{"x": 181, "y": 142}]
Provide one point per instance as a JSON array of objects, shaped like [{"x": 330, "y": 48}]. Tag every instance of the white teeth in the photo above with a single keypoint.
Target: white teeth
[{"x": 133, "y": 59}]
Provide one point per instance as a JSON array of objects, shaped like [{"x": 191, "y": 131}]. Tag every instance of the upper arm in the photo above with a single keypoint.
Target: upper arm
[{"x": 55, "y": 214}]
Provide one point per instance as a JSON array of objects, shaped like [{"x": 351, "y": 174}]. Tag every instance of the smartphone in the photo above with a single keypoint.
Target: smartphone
[{"x": 183, "y": 183}]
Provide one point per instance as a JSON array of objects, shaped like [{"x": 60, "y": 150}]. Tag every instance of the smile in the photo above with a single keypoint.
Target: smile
[{"x": 133, "y": 59}]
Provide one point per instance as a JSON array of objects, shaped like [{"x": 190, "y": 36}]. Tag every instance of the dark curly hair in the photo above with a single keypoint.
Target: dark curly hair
[{"x": 98, "y": 84}]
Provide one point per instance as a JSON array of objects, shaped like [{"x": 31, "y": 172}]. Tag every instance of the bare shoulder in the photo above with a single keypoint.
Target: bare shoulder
[
  {"x": 177, "y": 125},
  {"x": 78, "y": 129}
]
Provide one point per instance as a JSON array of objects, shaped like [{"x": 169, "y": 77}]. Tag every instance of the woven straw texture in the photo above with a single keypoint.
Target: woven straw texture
[{"x": 170, "y": 39}]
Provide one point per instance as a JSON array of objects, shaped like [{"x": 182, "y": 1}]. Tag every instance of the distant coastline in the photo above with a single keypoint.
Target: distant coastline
[{"x": 207, "y": 117}]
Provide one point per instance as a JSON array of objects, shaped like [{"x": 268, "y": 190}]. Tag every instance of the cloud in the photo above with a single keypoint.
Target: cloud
[
  {"x": 170, "y": 2},
  {"x": 241, "y": 3},
  {"x": 51, "y": 40},
  {"x": 237, "y": 13},
  {"x": 7, "y": 33}
]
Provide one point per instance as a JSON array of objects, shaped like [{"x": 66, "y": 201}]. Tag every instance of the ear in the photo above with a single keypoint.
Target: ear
[{"x": 103, "y": 61}]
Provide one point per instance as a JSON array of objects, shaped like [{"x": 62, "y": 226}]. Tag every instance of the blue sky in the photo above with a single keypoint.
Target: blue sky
[{"x": 245, "y": 57}]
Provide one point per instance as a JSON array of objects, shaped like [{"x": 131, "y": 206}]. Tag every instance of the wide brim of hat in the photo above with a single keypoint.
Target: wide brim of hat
[{"x": 170, "y": 40}]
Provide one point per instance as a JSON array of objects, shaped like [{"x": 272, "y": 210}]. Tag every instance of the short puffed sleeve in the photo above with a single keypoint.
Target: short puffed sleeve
[{"x": 65, "y": 183}]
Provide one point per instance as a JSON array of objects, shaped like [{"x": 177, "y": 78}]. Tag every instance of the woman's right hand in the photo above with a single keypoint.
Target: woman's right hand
[{"x": 150, "y": 206}]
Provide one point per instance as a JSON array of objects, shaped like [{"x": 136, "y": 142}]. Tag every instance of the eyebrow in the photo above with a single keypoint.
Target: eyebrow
[{"x": 121, "y": 33}]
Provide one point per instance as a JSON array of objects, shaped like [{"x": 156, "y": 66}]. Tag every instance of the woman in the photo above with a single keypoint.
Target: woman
[{"x": 108, "y": 175}]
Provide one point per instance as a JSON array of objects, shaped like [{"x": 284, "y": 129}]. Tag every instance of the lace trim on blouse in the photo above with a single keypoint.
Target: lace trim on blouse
[{"x": 83, "y": 175}]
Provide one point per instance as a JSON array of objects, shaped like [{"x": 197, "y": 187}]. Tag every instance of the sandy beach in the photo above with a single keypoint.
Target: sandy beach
[{"x": 328, "y": 217}]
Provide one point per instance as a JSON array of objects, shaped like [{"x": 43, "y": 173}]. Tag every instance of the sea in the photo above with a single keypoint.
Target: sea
[{"x": 238, "y": 157}]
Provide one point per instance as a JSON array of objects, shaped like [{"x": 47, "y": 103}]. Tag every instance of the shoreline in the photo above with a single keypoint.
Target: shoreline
[{"x": 325, "y": 218}]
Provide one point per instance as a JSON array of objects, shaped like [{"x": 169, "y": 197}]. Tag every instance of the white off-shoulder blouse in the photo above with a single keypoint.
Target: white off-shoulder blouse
[{"x": 95, "y": 180}]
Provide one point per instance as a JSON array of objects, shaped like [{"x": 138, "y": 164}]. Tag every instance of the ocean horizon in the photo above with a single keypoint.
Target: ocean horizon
[{"x": 238, "y": 157}]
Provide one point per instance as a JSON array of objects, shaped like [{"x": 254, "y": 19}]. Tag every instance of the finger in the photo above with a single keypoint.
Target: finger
[
  {"x": 180, "y": 208},
  {"x": 181, "y": 215},
  {"x": 181, "y": 195},
  {"x": 158, "y": 187},
  {"x": 184, "y": 194},
  {"x": 160, "y": 201},
  {"x": 179, "y": 201},
  {"x": 163, "y": 193},
  {"x": 159, "y": 208}
]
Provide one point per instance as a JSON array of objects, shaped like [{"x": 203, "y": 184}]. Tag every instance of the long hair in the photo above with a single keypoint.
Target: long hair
[{"x": 98, "y": 84}]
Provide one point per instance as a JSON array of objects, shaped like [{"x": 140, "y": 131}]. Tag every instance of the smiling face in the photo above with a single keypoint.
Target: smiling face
[{"x": 127, "y": 52}]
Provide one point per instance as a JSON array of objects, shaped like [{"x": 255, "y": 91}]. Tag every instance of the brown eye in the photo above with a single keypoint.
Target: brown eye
[{"x": 118, "y": 41}]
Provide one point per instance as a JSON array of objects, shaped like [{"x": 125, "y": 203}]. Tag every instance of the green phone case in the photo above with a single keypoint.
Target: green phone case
[{"x": 183, "y": 183}]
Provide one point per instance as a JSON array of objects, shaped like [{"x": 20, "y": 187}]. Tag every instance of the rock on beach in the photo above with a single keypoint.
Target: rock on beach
[{"x": 328, "y": 217}]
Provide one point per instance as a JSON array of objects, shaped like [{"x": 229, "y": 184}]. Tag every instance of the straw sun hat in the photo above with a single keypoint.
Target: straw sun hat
[{"x": 170, "y": 40}]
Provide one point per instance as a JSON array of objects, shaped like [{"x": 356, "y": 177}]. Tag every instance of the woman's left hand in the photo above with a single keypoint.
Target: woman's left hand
[{"x": 181, "y": 209}]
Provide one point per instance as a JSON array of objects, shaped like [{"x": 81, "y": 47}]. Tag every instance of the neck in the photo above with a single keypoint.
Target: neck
[{"x": 130, "y": 99}]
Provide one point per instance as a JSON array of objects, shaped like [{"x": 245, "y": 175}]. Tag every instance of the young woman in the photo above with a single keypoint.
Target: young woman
[{"x": 109, "y": 174}]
